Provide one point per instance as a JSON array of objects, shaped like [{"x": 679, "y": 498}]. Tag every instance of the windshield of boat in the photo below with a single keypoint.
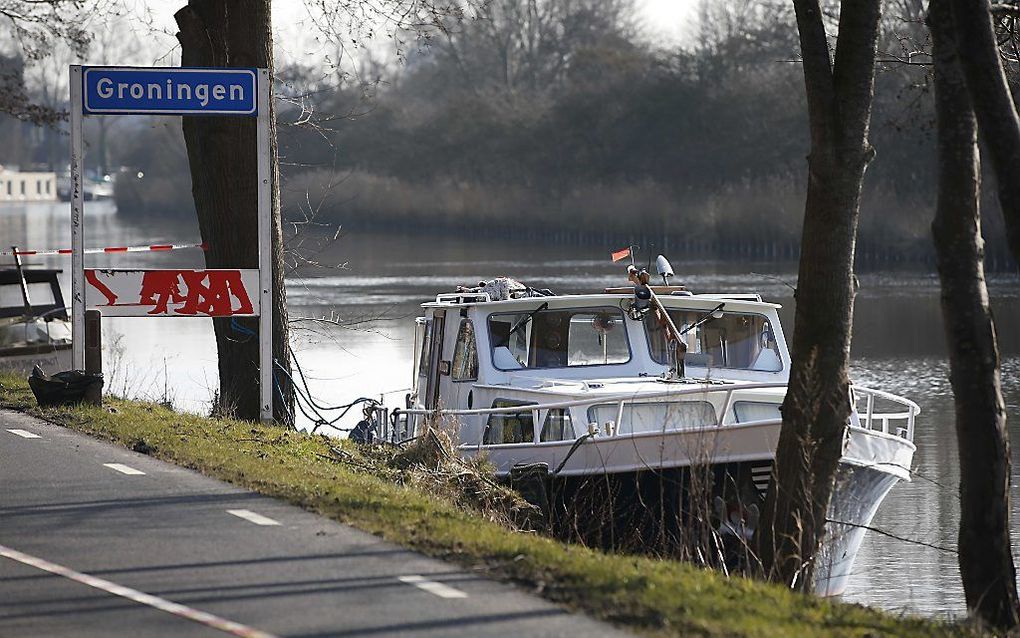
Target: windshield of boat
[
  {"x": 558, "y": 338},
  {"x": 741, "y": 341}
]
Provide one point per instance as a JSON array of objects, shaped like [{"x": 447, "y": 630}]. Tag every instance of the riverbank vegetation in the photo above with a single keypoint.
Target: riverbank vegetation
[
  {"x": 401, "y": 497},
  {"x": 569, "y": 125}
]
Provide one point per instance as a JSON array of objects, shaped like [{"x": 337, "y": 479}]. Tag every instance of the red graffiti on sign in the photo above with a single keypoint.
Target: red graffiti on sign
[
  {"x": 211, "y": 293},
  {"x": 92, "y": 278},
  {"x": 196, "y": 293}
]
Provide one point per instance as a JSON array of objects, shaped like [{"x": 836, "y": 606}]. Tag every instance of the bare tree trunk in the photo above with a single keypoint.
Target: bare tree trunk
[
  {"x": 221, "y": 155},
  {"x": 817, "y": 404},
  {"x": 986, "y": 560},
  {"x": 993, "y": 105}
]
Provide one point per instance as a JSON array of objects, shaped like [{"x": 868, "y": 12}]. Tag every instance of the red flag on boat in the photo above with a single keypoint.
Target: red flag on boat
[{"x": 621, "y": 254}]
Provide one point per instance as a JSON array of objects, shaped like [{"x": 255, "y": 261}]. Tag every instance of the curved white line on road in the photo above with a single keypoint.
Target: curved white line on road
[
  {"x": 431, "y": 586},
  {"x": 205, "y": 618}
]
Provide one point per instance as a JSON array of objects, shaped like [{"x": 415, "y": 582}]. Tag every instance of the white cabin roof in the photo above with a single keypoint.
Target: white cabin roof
[{"x": 748, "y": 302}]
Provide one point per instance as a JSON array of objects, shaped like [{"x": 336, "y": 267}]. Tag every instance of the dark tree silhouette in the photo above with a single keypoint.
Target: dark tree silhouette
[
  {"x": 839, "y": 88},
  {"x": 36, "y": 26},
  {"x": 999, "y": 124},
  {"x": 221, "y": 156},
  {"x": 986, "y": 559}
]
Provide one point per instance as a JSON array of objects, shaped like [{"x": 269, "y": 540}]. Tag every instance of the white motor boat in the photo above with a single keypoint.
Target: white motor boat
[
  {"x": 641, "y": 384},
  {"x": 34, "y": 326}
]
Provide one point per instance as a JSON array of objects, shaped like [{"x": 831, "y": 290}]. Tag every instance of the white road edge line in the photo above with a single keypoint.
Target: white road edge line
[
  {"x": 205, "y": 618},
  {"x": 124, "y": 469},
  {"x": 431, "y": 586},
  {"x": 252, "y": 517},
  {"x": 25, "y": 434}
]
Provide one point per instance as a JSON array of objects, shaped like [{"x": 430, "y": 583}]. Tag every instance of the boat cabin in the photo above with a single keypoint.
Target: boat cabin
[{"x": 475, "y": 353}]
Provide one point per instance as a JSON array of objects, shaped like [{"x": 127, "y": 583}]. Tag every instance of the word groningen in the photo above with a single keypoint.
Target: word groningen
[
  {"x": 105, "y": 88},
  {"x": 170, "y": 91},
  {"x": 173, "y": 293}
]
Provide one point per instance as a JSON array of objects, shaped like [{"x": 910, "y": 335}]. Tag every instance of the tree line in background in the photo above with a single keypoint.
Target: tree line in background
[{"x": 557, "y": 119}]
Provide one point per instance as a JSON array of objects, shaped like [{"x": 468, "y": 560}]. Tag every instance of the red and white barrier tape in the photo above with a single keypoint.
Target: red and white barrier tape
[{"x": 109, "y": 249}]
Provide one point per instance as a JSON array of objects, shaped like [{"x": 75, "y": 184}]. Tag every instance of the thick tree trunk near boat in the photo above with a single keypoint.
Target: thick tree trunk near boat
[
  {"x": 992, "y": 102},
  {"x": 221, "y": 155},
  {"x": 986, "y": 559},
  {"x": 817, "y": 404}
]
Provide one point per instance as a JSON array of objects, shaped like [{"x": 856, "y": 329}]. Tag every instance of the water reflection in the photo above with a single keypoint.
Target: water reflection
[{"x": 898, "y": 346}]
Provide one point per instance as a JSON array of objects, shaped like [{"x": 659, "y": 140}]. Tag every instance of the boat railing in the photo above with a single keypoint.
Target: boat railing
[
  {"x": 884, "y": 412},
  {"x": 899, "y": 422}
]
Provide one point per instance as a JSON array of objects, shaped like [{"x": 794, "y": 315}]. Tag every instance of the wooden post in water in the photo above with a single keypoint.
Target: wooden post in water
[{"x": 94, "y": 355}]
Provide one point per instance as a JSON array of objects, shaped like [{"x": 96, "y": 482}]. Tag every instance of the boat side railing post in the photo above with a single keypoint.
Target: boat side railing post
[
  {"x": 382, "y": 417},
  {"x": 870, "y": 409},
  {"x": 619, "y": 417},
  {"x": 726, "y": 407}
]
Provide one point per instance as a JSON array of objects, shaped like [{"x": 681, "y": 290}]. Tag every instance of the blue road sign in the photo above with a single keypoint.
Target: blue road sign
[{"x": 169, "y": 91}]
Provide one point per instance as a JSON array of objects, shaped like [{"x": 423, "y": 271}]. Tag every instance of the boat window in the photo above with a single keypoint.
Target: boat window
[
  {"x": 465, "y": 353},
  {"x": 741, "y": 341},
  {"x": 426, "y": 343},
  {"x": 654, "y": 417},
  {"x": 510, "y": 427},
  {"x": 557, "y": 426},
  {"x": 41, "y": 294},
  {"x": 747, "y": 411},
  {"x": 558, "y": 338}
]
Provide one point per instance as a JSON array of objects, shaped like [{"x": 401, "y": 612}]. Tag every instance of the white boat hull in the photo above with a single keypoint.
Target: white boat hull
[{"x": 872, "y": 463}]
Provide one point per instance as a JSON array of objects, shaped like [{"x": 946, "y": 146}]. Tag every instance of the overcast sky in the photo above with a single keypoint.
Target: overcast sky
[
  {"x": 665, "y": 19},
  {"x": 665, "y": 22}
]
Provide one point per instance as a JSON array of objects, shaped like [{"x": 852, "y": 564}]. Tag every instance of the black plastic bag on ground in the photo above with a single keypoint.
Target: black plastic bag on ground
[{"x": 63, "y": 388}]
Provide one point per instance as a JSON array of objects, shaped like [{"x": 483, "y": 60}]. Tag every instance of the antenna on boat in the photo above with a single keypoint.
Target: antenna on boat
[
  {"x": 664, "y": 269},
  {"x": 22, "y": 281}
]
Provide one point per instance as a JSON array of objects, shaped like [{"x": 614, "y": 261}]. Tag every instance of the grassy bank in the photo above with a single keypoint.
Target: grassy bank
[{"x": 654, "y": 597}]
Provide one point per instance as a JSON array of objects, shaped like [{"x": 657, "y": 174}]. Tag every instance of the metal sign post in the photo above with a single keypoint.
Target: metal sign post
[
  {"x": 77, "y": 232},
  {"x": 265, "y": 199},
  {"x": 175, "y": 91}
]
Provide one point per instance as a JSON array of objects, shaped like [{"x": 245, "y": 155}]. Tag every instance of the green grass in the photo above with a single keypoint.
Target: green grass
[{"x": 653, "y": 597}]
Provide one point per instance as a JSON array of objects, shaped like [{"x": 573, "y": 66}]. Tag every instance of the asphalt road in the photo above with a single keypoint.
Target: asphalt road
[{"x": 96, "y": 540}]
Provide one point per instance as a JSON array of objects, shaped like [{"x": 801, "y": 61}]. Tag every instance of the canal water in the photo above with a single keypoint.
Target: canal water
[{"x": 374, "y": 283}]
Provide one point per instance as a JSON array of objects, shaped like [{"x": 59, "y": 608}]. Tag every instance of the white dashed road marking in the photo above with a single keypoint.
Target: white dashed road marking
[
  {"x": 432, "y": 587},
  {"x": 205, "y": 618},
  {"x": 124, "y": 469},
  {"x": 252, "y": 517},
  {"x": 25, "y": 434}
]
